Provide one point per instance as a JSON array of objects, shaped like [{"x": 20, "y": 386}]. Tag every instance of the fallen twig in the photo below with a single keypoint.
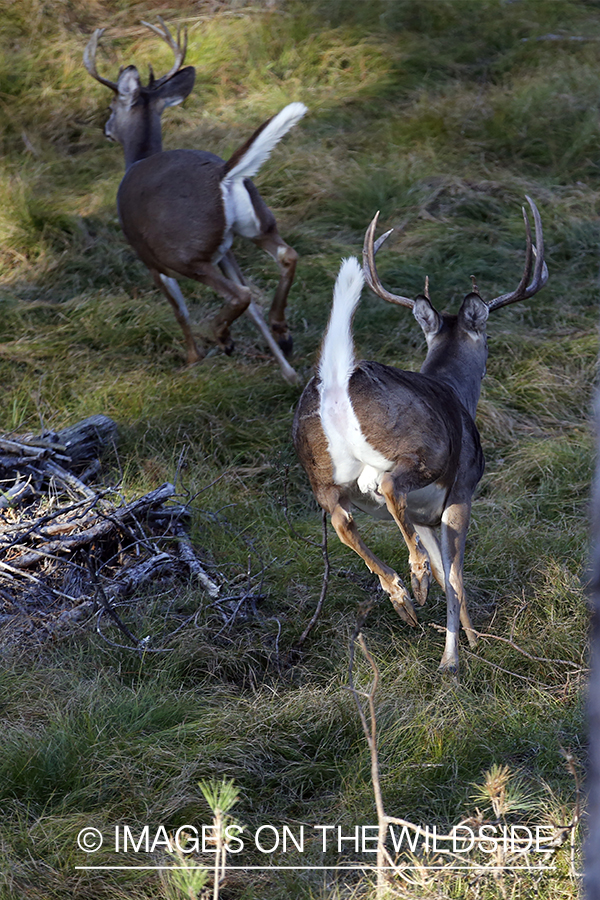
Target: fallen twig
[
  {"x": 324, "y": 584},
  {"x": 61, "y": 538}
]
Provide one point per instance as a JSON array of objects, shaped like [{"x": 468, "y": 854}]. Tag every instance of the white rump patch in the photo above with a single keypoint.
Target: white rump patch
[
  {"x": 240, "y": 216},
  {"x": 353, "y": 458}
]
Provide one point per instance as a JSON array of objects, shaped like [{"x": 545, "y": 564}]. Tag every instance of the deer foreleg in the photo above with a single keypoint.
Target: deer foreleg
[
  {"x": 420, "y": 569},
  {"x": 346, "y": 530},
  {"x": 172, "y": 291},
  {"x": 286, "y": 258},
  {"x": 455, "y": 523},
  {"x": 237, "y": 298},
  {"x": 231, "y": 269}
]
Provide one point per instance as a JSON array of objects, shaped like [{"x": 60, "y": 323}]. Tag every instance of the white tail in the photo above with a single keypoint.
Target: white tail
[
  {"x": 337, "y": 353},
  {"x": 351, "y": 455},
  {"x": 265, "y": 141}
]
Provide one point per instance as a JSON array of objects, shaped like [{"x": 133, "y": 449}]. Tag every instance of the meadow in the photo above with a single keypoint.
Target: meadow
[{"x": 443, "y": 115}]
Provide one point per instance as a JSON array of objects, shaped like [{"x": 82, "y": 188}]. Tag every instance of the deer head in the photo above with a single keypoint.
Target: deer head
[{"x": 136, "y": 109}]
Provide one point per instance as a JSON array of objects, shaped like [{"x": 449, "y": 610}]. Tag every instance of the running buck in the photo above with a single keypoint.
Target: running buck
[
  {"x": 180, "y": 209},
  {"x": 404, "y": 445}
]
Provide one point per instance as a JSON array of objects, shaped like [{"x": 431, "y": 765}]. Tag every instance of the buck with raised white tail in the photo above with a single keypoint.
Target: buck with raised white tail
[
  {"x": 404, "y": 445},
  {"x": 180, "y": 209}
]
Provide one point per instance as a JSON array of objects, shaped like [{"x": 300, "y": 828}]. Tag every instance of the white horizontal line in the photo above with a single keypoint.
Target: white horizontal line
[{"x": 364, "y": 867}]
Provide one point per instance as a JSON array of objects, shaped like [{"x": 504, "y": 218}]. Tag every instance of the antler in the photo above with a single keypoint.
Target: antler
[
  {"x": 179, "y": 49},
  {"x": 540, "y": 272},
  {"x": 89, "y": 60},
  {"x": 370, "y": 272}
]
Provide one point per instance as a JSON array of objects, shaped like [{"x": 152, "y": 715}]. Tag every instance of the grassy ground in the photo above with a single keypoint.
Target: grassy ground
[{"x": 443, "y": 115}]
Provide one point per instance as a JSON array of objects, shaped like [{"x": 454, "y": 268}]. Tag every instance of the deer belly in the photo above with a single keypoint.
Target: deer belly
[
  {"x": 426, "y": 505},
  {"x": 372, "y": 503}
]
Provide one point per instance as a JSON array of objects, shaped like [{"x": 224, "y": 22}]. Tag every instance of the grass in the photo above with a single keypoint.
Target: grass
[{"x": 443, "y": 115}]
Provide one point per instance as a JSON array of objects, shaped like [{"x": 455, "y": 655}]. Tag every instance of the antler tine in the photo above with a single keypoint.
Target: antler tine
[
  {"x": 518, "y": 294},
  {"x": 179, "y": 49},
  {"x": 525, "y": 288},
  {"x": 89, "y": 59},
  {"x": 370, "y": 272}
]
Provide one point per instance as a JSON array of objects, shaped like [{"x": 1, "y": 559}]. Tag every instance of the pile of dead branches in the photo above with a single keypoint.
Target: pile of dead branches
[{"x": 71, "y": 552}]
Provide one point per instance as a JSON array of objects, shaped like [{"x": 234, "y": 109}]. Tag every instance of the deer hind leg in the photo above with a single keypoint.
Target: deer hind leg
[
  {"x": 455, "y": 523},
  {"x": 430, "y": 541},
  {"x": 286, "y": 258},
  {"x": 346, "y": 530},
  {"x": 172, "y": 291},
  {"x": 420, "y": 568}
]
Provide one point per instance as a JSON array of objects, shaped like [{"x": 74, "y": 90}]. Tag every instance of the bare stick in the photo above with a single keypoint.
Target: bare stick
[
  {"x": 370, "y": 731},
  {"x": 69, "y": 480},
  {"x": 186, "y": 551},
  {"x": 13, "y": 571},
  {"x": 592, "y": 845},
  {"x": 17, "y": 494},
  {"x": 324, "y": 585},
  {"x": 134, "y": 577},
  {"x": 511, "y": 643}
]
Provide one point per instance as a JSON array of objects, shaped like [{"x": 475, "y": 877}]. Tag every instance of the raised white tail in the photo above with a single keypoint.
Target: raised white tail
[
  {"x": 352, "y": 457},
  {"x": 260, "y": 146},
  {"x": 337, "y": 353}
]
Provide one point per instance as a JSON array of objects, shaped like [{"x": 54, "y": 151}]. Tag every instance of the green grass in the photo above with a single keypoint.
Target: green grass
[{"x": 443, "y": 115}]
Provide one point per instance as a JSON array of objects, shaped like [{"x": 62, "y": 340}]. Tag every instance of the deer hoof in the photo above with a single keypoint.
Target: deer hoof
[
  {"x": 194, "y": 358},
  {"x": 219, "y": 336},
  {"x": 403, "y": 604},
  {"x": 284, "y": 339},
  {"x": 448, "y": 667},
  {"x": 420, "y": 586},
  {"x": 227, "y": 346}
]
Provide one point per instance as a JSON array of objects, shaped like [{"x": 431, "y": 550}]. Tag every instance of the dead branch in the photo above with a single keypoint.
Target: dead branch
[
  {"x": 107, "y": 525},
  {"x": 71, "y": 551},
  {"x": 135, "y": 577},
  {"x": 370, "y": 731},
  {"x": 326, "y": 570},
  {"x": 511, "y": 643},
  {"x": 19, "y": 493},
  {"x": 188, "y": 555}
]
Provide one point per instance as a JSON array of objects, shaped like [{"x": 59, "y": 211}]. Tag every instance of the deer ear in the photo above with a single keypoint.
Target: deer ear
[
  {"x": 177, "y": 88},
  {"x": 427, "y": 317},
  {"x": 129, "y": 85},
  {"x": 473, "y": 313}
]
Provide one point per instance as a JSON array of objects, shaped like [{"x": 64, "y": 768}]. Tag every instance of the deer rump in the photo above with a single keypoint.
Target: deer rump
[
  {"x": 155, "y": 190},
  {"x": 434, "y": 447}
]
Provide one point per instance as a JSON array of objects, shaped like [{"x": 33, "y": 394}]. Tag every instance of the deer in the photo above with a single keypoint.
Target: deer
[
  {"x": 403, "y": 445},
  {"x": 180, "y": 209}
]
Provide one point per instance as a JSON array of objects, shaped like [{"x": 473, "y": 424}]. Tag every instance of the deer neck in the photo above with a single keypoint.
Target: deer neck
[
  {"x": 144, "y": 140},
  {"x": 459, "y": 373}
]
